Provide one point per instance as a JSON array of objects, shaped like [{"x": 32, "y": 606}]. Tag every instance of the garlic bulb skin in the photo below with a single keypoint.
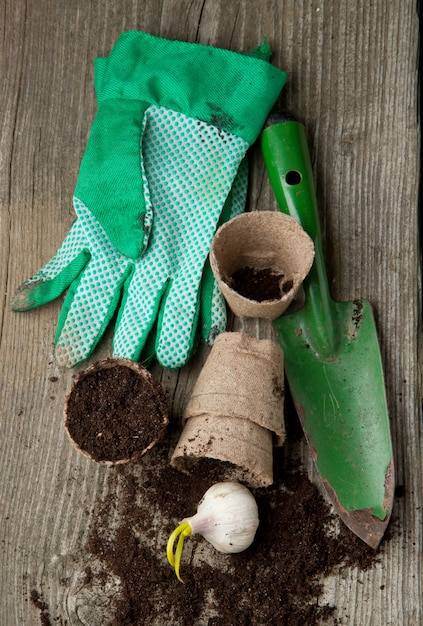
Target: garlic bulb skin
[{"x": 227, "y": 517}]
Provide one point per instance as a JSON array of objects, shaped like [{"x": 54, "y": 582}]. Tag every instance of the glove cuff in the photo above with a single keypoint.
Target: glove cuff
[{"x": 230, "y": 90}]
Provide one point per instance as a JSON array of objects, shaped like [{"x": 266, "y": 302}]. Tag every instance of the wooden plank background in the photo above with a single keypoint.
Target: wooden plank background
[{"x": 353, "y": 80}]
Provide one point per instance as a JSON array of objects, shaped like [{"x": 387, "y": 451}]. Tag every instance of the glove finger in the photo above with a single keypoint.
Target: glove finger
[
  {"x": 57, "y": 274},
  {"x": 213, "y": 306},
  {"x": 177, "y": 322},
  {"x": 213, "y": 312},
  {"x": 138, "y": 312},
  {"x": 88, "y": 308},
  {"x": 237, "y": 198}
]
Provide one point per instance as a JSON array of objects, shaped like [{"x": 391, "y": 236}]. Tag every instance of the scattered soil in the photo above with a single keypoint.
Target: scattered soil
[
  {"x": 114, "y": 414},
  {"x": 42, "y": 606},
  {"x": 259, "y": 284},
  {"x": 358, "y": 313},
  {"x": 278, "y": 580}
]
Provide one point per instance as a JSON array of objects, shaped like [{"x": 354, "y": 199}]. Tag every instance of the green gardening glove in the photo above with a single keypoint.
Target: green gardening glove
[
  {"x": 213, "y": 314},
  {"x": 173, "y": 126}
]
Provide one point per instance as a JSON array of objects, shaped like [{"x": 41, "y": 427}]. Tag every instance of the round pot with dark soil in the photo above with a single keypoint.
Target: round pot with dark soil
[
  {"x": 116, "y": 411},
  {"x": 260, "y": 260}
]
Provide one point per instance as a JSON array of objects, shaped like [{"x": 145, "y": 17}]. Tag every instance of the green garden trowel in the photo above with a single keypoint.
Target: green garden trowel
[{"x": 332, "y": 359}]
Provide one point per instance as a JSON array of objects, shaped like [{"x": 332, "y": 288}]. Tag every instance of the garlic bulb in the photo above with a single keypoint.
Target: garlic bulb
[{"x": 227, "y": 517}]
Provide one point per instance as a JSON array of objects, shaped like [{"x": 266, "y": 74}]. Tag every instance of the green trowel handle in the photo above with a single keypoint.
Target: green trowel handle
[{"x": 287, "y": 159}]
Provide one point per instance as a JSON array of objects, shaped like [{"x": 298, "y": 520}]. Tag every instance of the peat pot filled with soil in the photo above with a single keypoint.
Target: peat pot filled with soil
[
  {"x": 115, "y": 411},
  {"x": 260, "y": 260}
]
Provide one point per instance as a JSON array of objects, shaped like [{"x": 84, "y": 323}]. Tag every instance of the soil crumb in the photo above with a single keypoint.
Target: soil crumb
[{"x": 42, "y": 606}]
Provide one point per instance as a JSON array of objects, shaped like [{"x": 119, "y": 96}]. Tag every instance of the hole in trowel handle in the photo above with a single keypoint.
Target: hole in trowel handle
[{"x": 293, "y": 177}]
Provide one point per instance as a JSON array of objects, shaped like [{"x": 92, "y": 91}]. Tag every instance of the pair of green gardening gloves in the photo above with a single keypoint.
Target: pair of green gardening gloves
[{"x": 164, "y": 166}]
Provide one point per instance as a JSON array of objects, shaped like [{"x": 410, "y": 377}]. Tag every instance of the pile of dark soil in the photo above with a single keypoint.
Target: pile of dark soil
[{"x": 279, "y": 580}]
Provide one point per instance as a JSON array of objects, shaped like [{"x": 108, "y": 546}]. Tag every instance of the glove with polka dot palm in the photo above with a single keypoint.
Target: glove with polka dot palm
[{"x": 172, "y": 129}]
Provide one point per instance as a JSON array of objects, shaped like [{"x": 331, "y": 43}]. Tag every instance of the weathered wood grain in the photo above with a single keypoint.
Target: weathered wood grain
[{"x": 353, "y": 79}]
